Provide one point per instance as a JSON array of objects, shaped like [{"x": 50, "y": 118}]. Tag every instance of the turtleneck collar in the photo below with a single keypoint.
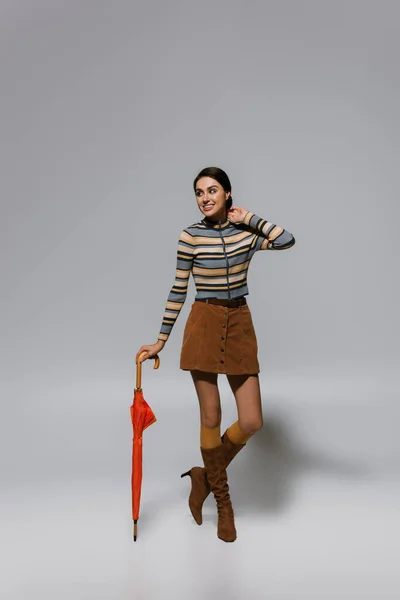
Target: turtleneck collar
[{"x": 216, "y": 224}]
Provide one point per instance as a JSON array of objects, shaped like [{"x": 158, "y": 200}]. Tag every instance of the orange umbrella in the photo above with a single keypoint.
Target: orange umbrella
[{"x": 142, "y": 417}]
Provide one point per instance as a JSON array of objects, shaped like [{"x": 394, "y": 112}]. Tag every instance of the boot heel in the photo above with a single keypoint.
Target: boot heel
[{"x": 187, "y": 473}]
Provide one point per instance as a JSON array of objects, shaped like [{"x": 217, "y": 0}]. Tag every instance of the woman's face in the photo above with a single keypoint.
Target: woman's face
[{"x": 211, "y": 198}]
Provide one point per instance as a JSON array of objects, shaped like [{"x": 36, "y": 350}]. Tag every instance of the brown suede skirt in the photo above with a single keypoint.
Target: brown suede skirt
[{"x": 219, "y": 339}]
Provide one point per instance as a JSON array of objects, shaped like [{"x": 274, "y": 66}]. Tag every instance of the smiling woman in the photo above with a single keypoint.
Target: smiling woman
[
  {"x": 213, "y": 193},
  {"x": 219, "y": 336}
]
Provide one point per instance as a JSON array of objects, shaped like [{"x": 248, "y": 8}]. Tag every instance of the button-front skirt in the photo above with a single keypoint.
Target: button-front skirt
[{"x": 218, "y": 339}]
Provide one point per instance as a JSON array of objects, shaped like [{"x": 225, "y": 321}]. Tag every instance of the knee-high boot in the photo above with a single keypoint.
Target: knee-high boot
[
  {"x": 200, "y": 484},
  {"x": 214, "y": 462}
]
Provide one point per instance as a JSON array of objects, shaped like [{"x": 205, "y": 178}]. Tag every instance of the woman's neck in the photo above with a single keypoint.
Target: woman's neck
[{"x": 217, "y": 218}]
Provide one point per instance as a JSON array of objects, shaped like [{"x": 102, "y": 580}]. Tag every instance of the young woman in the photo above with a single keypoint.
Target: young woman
[{"x": 219, "y": 335}]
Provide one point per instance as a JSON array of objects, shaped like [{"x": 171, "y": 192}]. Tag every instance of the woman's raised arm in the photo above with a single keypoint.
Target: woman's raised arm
[{"x": 275, "y": 237}]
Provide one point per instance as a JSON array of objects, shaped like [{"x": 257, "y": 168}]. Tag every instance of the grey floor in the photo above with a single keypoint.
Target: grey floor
[{"x": 316, "y": 496}]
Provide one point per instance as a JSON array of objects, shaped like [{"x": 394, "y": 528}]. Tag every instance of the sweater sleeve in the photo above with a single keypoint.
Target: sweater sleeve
[
  {"x": 177, "y": 296},
  {"x": 271, "y": 236}
]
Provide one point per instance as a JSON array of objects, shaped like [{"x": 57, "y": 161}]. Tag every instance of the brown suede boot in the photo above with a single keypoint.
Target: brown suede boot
[
  {"x": 214, "y": 462},
  {"x": 200, "y": 486}
]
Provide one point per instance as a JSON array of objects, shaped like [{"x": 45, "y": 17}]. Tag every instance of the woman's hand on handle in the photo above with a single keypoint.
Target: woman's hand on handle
[{"x": 151, "y": 350}]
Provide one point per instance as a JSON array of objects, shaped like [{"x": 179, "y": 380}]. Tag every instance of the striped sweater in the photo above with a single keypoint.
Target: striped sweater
[{"x": 218, "y": 254}]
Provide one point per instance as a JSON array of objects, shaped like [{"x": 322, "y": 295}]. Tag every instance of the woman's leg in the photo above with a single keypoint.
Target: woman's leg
[
  {"x": 246, "y": 390},
  {"x": 214, "y": 453},
  {"x": 210, "y": 408},
  {"x": 210, "y": 437}
]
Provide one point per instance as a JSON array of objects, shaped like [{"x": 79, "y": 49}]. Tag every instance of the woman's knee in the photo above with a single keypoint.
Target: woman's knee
[
  {"x": 251, "y": 426},
  {"x": 210, "y": 419}
]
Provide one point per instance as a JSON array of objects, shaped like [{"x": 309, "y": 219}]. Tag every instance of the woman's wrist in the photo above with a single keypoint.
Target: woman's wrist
[{"x": 247, "y": 217}]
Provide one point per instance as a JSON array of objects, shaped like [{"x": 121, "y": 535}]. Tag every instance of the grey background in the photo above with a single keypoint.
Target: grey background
[{"x": 108, "y": 111}]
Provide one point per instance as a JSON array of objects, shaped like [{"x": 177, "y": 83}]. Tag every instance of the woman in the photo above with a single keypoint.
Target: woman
[{"x": 219, "y": 335}]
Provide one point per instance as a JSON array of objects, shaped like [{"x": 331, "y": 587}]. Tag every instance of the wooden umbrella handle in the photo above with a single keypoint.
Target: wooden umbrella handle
[{"x": 139, "y": 368}]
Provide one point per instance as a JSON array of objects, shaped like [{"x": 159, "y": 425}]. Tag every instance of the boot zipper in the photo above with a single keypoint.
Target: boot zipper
[{"x": 226, "y": 258}]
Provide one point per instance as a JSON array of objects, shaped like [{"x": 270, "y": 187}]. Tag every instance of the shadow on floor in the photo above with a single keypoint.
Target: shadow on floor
[{"x": 262, "y": 477}]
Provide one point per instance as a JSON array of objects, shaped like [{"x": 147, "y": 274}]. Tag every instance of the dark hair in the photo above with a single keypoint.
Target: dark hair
[{"x": 221, "y": 177}]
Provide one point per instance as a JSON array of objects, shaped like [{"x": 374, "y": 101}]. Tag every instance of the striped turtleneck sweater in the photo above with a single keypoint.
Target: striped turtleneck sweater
[{"x": 218, "y": 254}]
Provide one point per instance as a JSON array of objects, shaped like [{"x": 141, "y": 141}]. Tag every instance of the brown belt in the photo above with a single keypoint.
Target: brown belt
[{"x": 228, "y": 303}]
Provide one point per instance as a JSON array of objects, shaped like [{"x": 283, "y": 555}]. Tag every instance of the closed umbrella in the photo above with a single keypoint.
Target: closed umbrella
[{"x": 142, "y": 417}]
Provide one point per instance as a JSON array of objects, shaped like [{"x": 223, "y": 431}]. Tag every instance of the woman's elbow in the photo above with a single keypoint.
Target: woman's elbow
[{"x": 285, "y": 241}]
